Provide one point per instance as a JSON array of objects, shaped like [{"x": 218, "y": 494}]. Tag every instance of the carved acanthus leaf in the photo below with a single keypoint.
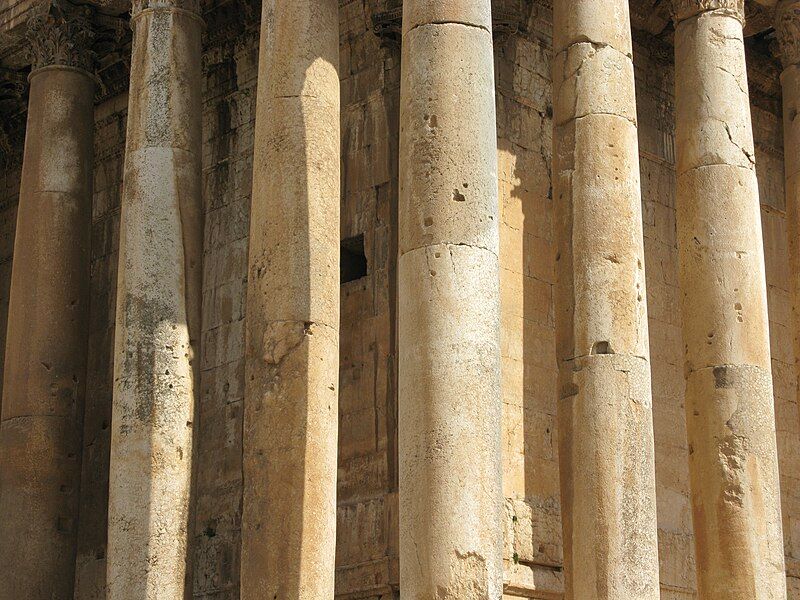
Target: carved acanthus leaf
[
  {"x": 684, "y": 9},
  {"x": 60, "y": 33},
  {"x": 758, "y": 18},
  {"x": 787, "y": 28},
  {"x": 387, "y": 25},
  {"x": 508, "y": 17},
  {"x": 192, "y": 6},
  {"x": 13, "y": 103}
]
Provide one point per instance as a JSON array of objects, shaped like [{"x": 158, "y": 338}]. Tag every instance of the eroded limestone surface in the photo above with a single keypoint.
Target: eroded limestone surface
[
  {"x": 367, "y": 516},
  {"x": 448, "y": 306},
  {"x": 292, "y": 327},
  {"x": 158, "y": 312},
  {"x": 733, "y": 460},
  {"x": 608, "y": 497},
  {"x": 45, "y": 364}
]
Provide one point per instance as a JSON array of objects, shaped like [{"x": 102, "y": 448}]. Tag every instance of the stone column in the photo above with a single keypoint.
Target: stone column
[
  {"x": 158, "y": 307},
  {"x": 787, "y": 27},
  {"x": 292, "y": 325},
  {"x": 608, "y": 496},
  {"x": 729, "y": 405},
  {"x": 449, "y": 304},
  {"x": 46, "y": 347}
]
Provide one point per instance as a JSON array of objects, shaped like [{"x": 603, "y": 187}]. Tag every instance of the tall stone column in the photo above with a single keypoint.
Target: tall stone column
[
  {"x": 787, "y": 26},
  {"x": 292, "y": 325},
  {"x": 46, "y": 347},
  {"x": 449, "y": 305},
  {"x": 158, "y": 307},
  {"x": 729, "y": 404},
  {"x": 608, "y": 496}
]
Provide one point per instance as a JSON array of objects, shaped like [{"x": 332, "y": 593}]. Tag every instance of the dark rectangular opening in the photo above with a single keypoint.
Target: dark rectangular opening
[{"x": 353, "y": 260}]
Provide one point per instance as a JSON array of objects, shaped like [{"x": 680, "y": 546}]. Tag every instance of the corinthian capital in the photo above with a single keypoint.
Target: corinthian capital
[
  {"x": 684, "y": 9},
  {"x": 193, "y": 6},
  {"x": 787, "y": 26},
  {"x": 60, "y": 33}
]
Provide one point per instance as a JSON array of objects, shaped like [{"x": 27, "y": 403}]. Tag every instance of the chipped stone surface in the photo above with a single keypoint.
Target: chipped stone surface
[
  {"x": 292, "y": 326},
  {"x": 158, "y": 314},
  {"x": 449, "y": 307},
  {"x": 787, "y": 25},
  {"x": 45, "y": 365},
  {"x": 733, "y": 459},
  {"x": 367, "y": 522},
  {"x": 605, "y": 425}
]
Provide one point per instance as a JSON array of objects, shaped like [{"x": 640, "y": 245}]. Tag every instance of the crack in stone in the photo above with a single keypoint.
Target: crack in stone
[
  {"x": 716, "y": 164},
  {"x": 603, "y": 113},
  {"x": 450, "y": 245},
  {"x": 736, "y": 79},
  {"x": 595, "y": 45},
  {"x": 743, "y": 150},
  {"x": 728, "y": 366},
  {"x": 442, "y": 22}
]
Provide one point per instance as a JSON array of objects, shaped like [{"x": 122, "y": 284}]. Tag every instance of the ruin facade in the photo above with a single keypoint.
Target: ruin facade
[{"x": 380, "y": 299}]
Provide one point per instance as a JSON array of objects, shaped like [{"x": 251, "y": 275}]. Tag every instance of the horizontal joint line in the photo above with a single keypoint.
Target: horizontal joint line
[{"x": 465, "y": 24}]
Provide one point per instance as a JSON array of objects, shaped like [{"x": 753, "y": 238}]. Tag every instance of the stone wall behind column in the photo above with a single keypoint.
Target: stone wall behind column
[
  {"x": 655, "y": 108},
  {"x": 10, "y": 175},
  {"x": 110, "y": 123},
  {"x": 533, "y": 551},
  {"x": 367, "y": 534},
  {"x": 527, "y": 251},
  {"x": 768, "y": 137},
  {"x": 228, "y": 122}
]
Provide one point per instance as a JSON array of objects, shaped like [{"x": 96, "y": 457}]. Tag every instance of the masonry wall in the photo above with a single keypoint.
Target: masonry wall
[
  {"x": 533, "y": 552},
  {"x": 655, "y": 108},
  {"x": 109, "y": 148},
  {"x": 9, "y": 196},
  {"x": 768, "y": 130},
  {"x": 367, "y": 561}
]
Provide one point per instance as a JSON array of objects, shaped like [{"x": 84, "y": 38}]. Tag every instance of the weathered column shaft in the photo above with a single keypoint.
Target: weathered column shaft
[
  {"x": 158, "y": 307},
  {"x": 608, "y": 497},
  {"x": 729, "y": 404},
  {"x": 448, "y": 307},
  {"x": 292, "y": 325},
  {"x": 787, "y": 26},
  {"x": 45, "y": 362}
]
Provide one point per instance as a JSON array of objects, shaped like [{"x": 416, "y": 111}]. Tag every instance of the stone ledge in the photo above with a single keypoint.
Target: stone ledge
[{"x": 531, "y": 580}]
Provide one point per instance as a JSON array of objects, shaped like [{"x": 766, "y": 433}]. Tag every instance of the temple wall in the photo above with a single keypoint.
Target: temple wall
[
  {"x": 367, "y": 542},
  {"x": 768, "y": 133},
  {"x": 9, "y": 196},
  {"x": 366, "y": 549},
  {"x": 527, "y": 277},
  {"x": 655, "y": 108},
  {"x": 228, "y": 121},
  {"x": 110, "y": 123}
]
